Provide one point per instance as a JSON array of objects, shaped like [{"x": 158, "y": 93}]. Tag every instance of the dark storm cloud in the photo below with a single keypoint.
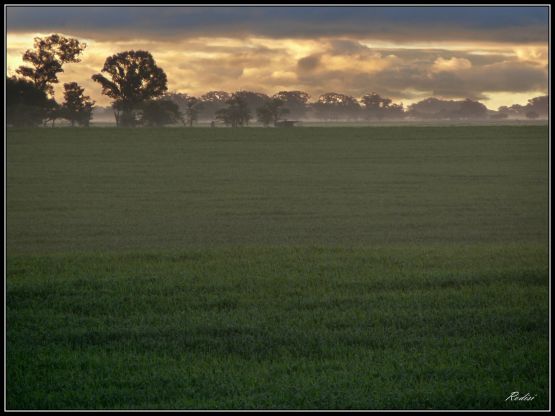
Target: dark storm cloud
[
  {"x": 399, "y": 80},
  {"x": 308, "y": 63},
  {"x": 501, "y": 24}
]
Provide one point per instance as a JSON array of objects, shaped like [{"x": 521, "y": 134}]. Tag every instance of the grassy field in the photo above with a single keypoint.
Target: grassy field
[{"x": 331, "y": 268}]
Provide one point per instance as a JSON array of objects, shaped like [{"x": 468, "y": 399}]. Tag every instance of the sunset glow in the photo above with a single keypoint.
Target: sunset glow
[{"x": 480, "y": 65}]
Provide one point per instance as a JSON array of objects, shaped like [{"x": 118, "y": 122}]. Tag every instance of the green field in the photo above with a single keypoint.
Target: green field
[{"x": 307, "y": 268}]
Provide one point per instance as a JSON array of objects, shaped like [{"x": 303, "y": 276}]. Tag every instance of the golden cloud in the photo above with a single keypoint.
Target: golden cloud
[{"x": 404, "y": 71}]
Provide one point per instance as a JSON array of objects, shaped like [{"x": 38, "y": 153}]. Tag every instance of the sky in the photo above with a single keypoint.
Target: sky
[{"x": 498, "y": 55}]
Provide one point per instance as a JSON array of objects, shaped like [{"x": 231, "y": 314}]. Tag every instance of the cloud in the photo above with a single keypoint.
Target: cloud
[
  {"x": 450, "y": 64},
  {"x": 392, "y": 51},
  {"x": 308, "y": 63},
  {"x": 499, "y": 24}
]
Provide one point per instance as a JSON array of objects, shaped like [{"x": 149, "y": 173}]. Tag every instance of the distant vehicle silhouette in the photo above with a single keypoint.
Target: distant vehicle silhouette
[{"x": 285, "y": 123}]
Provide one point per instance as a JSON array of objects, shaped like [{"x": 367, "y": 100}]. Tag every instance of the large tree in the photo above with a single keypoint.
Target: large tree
[
  {"x": 271, "y": 112},
  {"x": 333, "y": 106},
  {"x": 236, "y": 114},
  {"x": 133, "y": 78},
  {"x": 294, "y": 101},
  {"x": 375, "y": 106},
  {"x": 252, "y": 100},
  {"x": 540, "y": 105},
  {"x": 26, "y": 104},
  {"x": 188, "y": 105},
  {"x": 159, "y": 113},
  {"x": 434, "y": 108},
  {"x": 192, "y": 107},
  {"x": 211, "y": 102},
  {"x": 46, "y": 59},
  {"x": 469, "y": 109},
  {"x": 379, "y": 107},
  {"x": 77, "y": 107}
]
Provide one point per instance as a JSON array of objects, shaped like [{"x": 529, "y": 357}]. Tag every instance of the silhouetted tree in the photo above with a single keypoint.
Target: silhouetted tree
[
  {"x": 499, "y": 116},
  {"x": 271, "y": 112},
  {"x": 376, "y": 106},
  {"x": 192, "y": 108},
  {"x": 189, "y": 106},
  {"x": 103, "y": 113},
  {"x": 434, "y": 108},
  {"x": 54, "y": 112},
  {"x": 47, "y": 59},
  {"x": 133, "y": 79},
  {"x": 160, "y": 113},
  {"x": 211, "y": 102},
  {"x": 236, "y": 114},
  {"x": 294, "y": 101},
  {"x": 470, "y": 109},
  {"x": 515, "y": 110},
  {"x": 26, "y": 104},
  {"x": 532, "y": 115},
  {"x": 395, "y": 111},
  {"x": 539, "y": 105},
  {"x": 333, "y": 106},
  {"x": 252, "y": 100},
  {"x": 77, "y": 107},
  {"x": 264, "y": 116}
]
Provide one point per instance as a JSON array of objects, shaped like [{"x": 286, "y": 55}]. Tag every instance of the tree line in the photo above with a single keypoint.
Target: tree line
[{"x": 139, "y": 95}]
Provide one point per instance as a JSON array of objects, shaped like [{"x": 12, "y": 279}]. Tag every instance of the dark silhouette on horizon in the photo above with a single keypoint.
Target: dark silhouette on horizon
[{"x": 138, "y": 89}]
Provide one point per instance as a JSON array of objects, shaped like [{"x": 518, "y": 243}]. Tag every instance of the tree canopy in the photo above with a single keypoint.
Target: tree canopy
[
  {"x": 132, "y": 78},
  {"x": 77, "y": 107},
  {"x": 158, "y": 113},
  {"x": 47, "y": 58},
  {"x": 137, "y": 87},
  {"x": 236, "y": 114},
  {"x": 271, "y": 112},
  {"x": 296, "y": 102},
  {"x": 333, "y": 106},
  {"x": 26, "y": 104}
]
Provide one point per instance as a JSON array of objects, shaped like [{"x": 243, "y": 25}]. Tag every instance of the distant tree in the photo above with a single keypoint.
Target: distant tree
[
  {"x": 188, "y": 105},
  {"x": 211, "y": 102},
  {"x": 47, "y": 59},
  {"x": 539, "y": 105},
  {"x": 236, "y": 114},
  {"x": 378, "y": 107},
  {"x": 334, "y": 106},
  {"x": 54, "y": 112},
  {"x": 499, "y": 115},
  {"x": 514, "y": 111},
  {"x": 271, "y": 112},
  {"x": 532, "y": 115},
  {"x": 133, "y": 79},
  {"x": 77, "y": 107},
  {"x": 434, "y": 108},
  {"x": 504, "y": 110},
  {"x": 431, "y": 108},
  {"x": 375, "y": 106},
  {"x": 470, "y": 109},
  {"x": 104, "y": 114},
  {"x": 395, "y": 111},
  {"x": 294, "y": 101},
  {"x": 158, "y": 113},
  {"x": 177, "y": 97},
  {"x": 264, "y": 116},
  {"x": 192, "y": 109},
  {"x": 26, "y": 104},
  {"x": 252, "y": 100}
]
